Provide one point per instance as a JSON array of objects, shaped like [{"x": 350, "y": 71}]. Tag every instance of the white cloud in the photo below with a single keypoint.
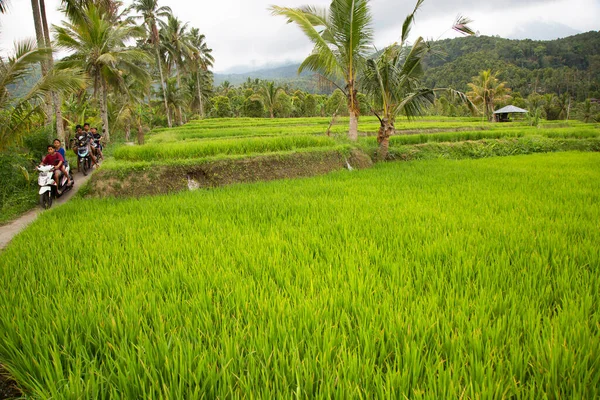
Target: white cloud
[{"x": 244, "y": 32}]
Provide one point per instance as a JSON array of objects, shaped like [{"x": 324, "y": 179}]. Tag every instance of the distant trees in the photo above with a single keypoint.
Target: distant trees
[{"x": 487, "y": 91}]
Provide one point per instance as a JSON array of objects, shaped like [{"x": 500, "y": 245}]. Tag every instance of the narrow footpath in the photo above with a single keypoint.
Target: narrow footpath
[{"x": 10, "y": 230}]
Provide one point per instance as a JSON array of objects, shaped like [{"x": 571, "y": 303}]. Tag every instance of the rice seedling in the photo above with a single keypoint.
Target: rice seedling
[
  {"x": 199, "y": 149},
  {"x": 429, "y": 279}
]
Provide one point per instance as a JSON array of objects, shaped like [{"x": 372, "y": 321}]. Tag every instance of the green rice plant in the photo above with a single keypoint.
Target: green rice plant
[
  {"x": 197, "y": 149},
  {"x": 436, "y": 279}
]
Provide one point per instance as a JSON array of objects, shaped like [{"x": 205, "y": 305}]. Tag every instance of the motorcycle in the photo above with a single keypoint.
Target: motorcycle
[
  {"x": 49, "y": 189},
  {"x": 84, "y": 158}
]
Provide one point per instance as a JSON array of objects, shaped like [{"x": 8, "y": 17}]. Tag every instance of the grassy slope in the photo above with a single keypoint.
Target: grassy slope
[{"x": 439, "y": 279}]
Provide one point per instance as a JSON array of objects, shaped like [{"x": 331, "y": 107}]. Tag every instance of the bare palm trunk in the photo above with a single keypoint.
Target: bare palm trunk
[
  {"x": 386, "y": 129},
  {"x": 179, "y": 112},
  {"x": 127, "y": 131},
  {"x": 140, "y": 133},
  {"x": 104, "y": 109},
  {"x": 353, "y": 132},
  {"x": 353, "y": 110},
  {"x": 164, "y": 87},
  {"x": 41, "y": 42},
  {"x": 200, "y": 103}
]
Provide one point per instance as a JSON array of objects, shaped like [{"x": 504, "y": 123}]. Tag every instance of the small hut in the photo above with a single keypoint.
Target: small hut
[{"x": 502, "y": 114}]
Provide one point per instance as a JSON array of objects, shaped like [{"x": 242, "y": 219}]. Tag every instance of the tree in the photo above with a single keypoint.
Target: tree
[
  {"x": 202, "y": 60},
  {"x": 174, "y": 40},
  {"x": 150, "y": 12},
  {"x": 283, "y": 105},
  {"x": 221, "y": 107},
  {"x": 253, "y": 107},
  {"x": 487, "y": 90},
  {"x": 394, "y": 79},
  {"x": 98, "y": 44},
  {"x": 269, "y": 93},
  {"x": 342, "y": 36},
  {"x": 17, "y": 113}
]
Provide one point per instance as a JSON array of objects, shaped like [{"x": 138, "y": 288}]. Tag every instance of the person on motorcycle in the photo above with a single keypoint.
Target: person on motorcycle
[
  {"x": 58, "y": 163},
  {"x": 98, "y": 139},
  {"x": 90, "y": 138},
  {"x": 59, "y": 149}
]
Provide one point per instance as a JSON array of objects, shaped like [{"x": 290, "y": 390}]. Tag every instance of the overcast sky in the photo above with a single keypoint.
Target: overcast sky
[{"x": 243, "y": 33}]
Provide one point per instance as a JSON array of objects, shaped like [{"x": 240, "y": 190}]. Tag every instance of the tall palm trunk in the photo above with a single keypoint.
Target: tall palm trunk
[
  {"x": 162, "y": 82},
  {"x": 104, "y": 108},
  {"x": 140, "y": 131},
  {"x": 41, "y": 42},
  {"x": 353, "y": 131},
  {"x": 179, "y": 112},
  {"x": 200, "y": 103},
  {"x": 353, "y": 111},
  {"x": 56, "y": 98}
]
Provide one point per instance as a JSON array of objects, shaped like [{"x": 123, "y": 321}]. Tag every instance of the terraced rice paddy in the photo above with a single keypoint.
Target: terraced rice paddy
[{"x": 431, "y": 279}]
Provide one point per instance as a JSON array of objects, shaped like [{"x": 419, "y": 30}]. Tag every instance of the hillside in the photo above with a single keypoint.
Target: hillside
[{"x": 569, "y": 64}]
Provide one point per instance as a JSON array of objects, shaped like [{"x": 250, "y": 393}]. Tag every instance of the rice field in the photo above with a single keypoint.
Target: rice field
[
  {"x": 431, "y": 279},
  {"x": 202, "y": 149}
]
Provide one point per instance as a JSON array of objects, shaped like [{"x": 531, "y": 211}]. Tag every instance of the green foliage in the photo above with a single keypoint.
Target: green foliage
[
  {"x": 17, "y": 180},
  {"x": 477, "y": 280},
  {"x": 221, "y": 107},
  {"x": 254, "y": 107},
  {"x": 283, "y": 107},
  {"x": 336, "y": 102}
]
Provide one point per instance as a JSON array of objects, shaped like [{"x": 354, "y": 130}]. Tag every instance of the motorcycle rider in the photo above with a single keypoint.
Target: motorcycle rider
[
  {"x": 58, "y": 163},
  {"x": 88, "y": 137},
  {"x": 59, "y": 149},
  {"x": 98, "y": 139}
]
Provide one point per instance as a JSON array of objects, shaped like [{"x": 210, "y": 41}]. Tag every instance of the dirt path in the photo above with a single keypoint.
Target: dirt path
[{"x": 10, "y": 230}]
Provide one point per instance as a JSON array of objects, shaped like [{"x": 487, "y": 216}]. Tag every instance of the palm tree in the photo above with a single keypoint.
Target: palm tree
[
  {"x": 487, "y": 90},
  {"x": 98, "y": 44},
  {"x": 150, "y": 12},
  {"x": 201, "y": 59},
  {"x": 268, "y": 91},
  {"x": 17, "y": 113},
  {"x": 342, "y": 36},
  {"x": 174, "y": 40},
  {"x": 394, "y": 80}
]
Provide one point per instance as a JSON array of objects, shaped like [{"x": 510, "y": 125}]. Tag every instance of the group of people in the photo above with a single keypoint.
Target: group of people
[
  {"x": 56, "y": 156},
  {"x": 93, "y": 140}
]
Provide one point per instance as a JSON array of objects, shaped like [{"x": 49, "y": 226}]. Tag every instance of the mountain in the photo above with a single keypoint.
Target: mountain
[{"x": 569, "y": 64}]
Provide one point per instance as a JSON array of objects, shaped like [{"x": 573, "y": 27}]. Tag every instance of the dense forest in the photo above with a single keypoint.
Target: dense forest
[{"x": 570, "y": 65}]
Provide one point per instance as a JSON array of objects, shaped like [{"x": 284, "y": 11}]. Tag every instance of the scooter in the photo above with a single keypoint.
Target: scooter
[
  {"x": 49, "y": 190},
  {"x": 83, "y": 154}
]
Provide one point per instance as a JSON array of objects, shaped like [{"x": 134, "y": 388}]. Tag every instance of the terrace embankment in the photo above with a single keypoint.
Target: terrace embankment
[{"x": 145, "y": 179}]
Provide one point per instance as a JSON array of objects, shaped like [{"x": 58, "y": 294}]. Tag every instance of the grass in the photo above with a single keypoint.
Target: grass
[
  {"x": 211, "y": 148},
  {"x": 429, "y": 279}
]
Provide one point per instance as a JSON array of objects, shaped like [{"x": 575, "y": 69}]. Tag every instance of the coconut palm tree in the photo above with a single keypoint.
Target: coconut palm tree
[
  {"x": 174, "y": 40},
  {"x": 151, "y": 12},
  {"x": 487, "y": 90},
  {"x": 268, "y": 91},
  {"x": 394, "y": 80},
  {"x": 342, "y": 36},
  {"x": 99, "y": 45},
  {"x": 201, "y": 60},
  {"x": 17, "y": 113}
]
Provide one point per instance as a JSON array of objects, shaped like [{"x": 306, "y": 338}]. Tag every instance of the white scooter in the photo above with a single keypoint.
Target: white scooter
[{"x": 49, "y": 190}]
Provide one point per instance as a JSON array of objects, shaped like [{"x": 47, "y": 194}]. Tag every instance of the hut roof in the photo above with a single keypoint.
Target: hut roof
[{"x": 510, "y": 109}]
